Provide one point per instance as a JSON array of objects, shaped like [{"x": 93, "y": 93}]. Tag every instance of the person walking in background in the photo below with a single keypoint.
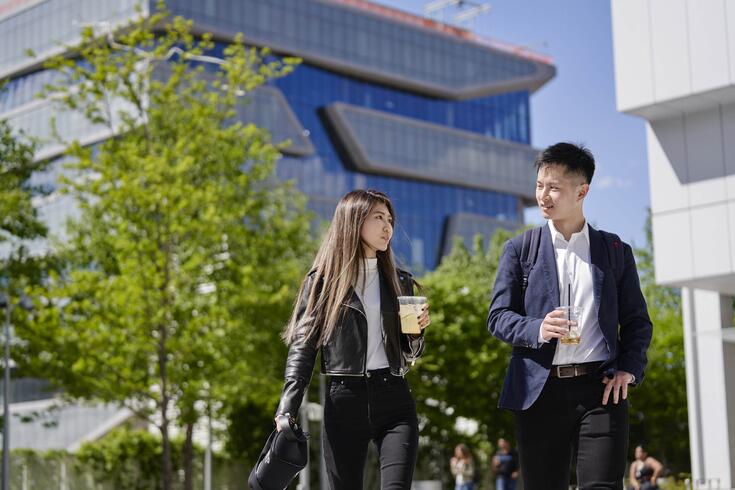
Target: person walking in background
[
  {"x": 463, "y": 468},
  {"x": 505, "y": 466},
  {"x": 644, "y": 470},
  {"x": 348, "y": 308},
  {"x": 568, "y": 300}
]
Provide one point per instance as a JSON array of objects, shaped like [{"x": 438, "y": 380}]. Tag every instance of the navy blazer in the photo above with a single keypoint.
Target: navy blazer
[{"x": 622, "y": 315}]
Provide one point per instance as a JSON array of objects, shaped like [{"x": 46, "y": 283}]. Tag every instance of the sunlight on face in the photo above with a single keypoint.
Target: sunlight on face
[
  {"x": 559, "y": 194},
  {"x": 377, "y": 230}
]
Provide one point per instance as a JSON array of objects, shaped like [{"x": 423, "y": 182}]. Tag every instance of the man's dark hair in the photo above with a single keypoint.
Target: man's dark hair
[{"x": 575, "y": 158}]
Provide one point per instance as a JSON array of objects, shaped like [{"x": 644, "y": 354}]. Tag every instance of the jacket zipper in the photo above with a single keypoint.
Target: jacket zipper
[
  {"x": 401, "y": 368},
  {"x": 364, "y": 355}
]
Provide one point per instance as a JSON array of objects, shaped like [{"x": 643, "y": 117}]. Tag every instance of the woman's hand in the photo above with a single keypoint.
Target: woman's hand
[
  {"x": 290, "y": 419},
  {"x": 424, "y": 320}
]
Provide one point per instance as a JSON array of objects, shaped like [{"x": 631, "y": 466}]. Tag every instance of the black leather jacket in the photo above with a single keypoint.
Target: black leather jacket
[{"x": 345, "y": 354}]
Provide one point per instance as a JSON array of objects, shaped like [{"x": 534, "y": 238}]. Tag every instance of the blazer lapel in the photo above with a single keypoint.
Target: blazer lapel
[
  {"x": 597, "y": 264},
  {"x": 547, "y": 257}
]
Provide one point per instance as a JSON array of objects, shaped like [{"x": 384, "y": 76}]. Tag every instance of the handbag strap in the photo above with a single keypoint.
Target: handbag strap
[{"x": 289, "y": 428}]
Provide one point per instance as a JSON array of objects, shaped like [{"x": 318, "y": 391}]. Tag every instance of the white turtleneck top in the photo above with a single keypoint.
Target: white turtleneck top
[{"x": 368, "y": 290}]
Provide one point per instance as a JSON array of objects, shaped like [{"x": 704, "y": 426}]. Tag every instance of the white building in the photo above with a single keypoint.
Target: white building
[{"x": 675, "y": 67}]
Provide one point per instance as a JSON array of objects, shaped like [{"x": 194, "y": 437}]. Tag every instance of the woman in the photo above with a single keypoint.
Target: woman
[
  {"x": 463, "y": 468},
  {"x": 348, "y": 308},
  {"x": 644, "y": 470}
]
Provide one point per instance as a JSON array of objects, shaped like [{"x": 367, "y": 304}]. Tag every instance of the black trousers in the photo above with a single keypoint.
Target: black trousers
[
  {"x": 569, "y": 423},
  {"x": 377, "y": 408}
]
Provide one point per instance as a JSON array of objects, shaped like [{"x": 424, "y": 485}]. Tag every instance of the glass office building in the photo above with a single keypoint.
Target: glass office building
[{"x": 429, "y": 113}]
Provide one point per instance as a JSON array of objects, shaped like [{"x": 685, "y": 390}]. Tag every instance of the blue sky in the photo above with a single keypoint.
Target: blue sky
[{"x": 579, "y": 104}]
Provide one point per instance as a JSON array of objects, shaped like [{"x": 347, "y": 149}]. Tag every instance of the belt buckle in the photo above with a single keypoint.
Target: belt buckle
[{"x": 572, "y": 374}]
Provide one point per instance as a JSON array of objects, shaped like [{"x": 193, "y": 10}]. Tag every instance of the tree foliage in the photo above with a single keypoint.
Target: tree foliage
[
  {"x": 127, "y": 459},
  {"x": 18, "y": 217},
  {"x": 462, "y": 370},
  {"x": 658, "y": 407},
  {"x": 182, "y": 265}
]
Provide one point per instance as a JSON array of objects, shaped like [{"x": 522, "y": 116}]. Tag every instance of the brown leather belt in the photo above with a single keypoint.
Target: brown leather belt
[{"x": 574, "y": 370}]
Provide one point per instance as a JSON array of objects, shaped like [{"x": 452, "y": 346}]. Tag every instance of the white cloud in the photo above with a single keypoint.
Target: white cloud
[{"x": 608, "y": 182}]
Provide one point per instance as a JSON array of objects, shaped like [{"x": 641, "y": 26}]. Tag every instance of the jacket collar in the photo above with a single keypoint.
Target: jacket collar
[
  {"x": 388, "y": 304},
  {"x": 556, "y": 234}
]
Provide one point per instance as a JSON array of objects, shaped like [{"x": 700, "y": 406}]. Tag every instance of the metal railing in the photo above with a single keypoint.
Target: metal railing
[{"x": 705, "y": 484}]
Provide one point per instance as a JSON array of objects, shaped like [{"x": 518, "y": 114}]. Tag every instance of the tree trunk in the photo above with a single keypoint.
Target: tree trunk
[
  {"x": 166, "y": 456},
  {"x": 189, "y": 457},
  {"x": 166, "y": 453}
]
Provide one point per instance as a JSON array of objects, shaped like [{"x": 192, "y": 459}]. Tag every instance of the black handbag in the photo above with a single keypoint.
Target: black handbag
[{"x": 284, "y": 455}]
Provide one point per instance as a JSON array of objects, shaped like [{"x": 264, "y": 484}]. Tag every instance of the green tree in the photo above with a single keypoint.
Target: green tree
[
  {"x": 128, "y": 459},
  {"x": 658, "y": 407},
  {"x": 462, "y": 370},
  {"x": 19, "y": 220},
  {"x": 180, "y": 269},
  {"x": 18, "y": 217},
  {"x": 20, "y": 223}
]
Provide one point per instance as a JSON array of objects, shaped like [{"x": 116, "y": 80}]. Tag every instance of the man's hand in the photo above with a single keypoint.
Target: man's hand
[
  {"x": 555, "y": 325},
  {"x": 618, "y": 386}
]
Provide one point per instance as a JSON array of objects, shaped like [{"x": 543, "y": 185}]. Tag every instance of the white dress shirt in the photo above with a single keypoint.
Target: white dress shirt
[
  {"x": 368, "y": 290},
  {"x": 573, "y": 268}
]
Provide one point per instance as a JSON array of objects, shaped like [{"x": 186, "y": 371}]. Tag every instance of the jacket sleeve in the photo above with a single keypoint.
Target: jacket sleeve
[
  {"x": 300, "y": 361},
  {"x": 411, "y": 345},
  {"x": 636, "y": 328},
  {"x": 504, "y": 320}
]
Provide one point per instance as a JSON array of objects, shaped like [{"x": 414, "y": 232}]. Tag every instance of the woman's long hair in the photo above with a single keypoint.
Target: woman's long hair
[
  {"x": 337, "y": 264},
  {"x": 465, "y": 451}
]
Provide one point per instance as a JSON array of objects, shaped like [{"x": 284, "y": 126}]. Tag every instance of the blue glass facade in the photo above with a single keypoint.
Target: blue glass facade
[
  {"x": 22, "y": 90},
  {"x": 356, "y": 36},
  {"x": 422, "y": 207},
  {"x": 424, "y": 90},
  {"x": 503, "y": 116}
]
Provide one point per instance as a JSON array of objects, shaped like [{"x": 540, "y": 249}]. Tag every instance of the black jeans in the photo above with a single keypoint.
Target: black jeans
[
  {"x": 569, "y": 421},
  {"x": 377, "y": 408}
]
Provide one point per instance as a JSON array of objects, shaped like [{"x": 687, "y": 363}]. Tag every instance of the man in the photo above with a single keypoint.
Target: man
[
  {"x": 505, "y": 466},
  {"x": 569, "y": 399}
]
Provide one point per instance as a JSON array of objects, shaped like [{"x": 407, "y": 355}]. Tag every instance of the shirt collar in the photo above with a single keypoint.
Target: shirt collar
[{"x": 555, "y": 234}]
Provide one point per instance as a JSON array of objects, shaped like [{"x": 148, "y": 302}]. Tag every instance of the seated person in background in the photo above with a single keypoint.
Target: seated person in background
[{"x": 644, "y": 470}]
